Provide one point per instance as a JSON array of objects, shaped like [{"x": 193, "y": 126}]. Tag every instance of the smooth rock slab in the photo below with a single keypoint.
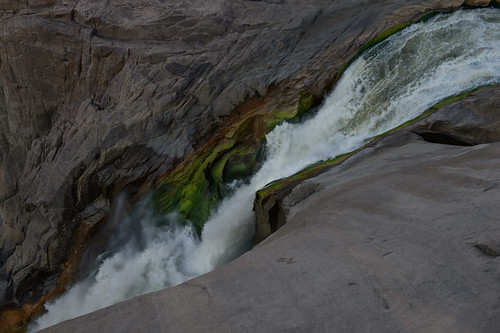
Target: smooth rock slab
[
  {"x": 394, "y": 242},
  {"x": 103, "y": 97}
]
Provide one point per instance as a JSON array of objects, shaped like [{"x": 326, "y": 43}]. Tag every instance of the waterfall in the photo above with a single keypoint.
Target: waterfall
[{"x": 393, "y": 82}]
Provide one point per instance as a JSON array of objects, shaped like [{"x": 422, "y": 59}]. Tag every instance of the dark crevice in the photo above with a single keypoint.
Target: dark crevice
[
  {"x": 488, "y": 250},
  {"x": 442, "y": 138},
  {"x": 273, "y": 217}
]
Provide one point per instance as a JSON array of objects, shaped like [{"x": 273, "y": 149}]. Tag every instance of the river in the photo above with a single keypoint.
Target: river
[{"x": 391, "y": 83}]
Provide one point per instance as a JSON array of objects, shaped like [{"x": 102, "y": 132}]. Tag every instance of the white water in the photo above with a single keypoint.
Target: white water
[{"x": 394, "y": 82}]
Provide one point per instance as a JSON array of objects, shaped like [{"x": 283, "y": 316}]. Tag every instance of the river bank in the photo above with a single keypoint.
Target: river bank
[{"x": 115, "y": 156}]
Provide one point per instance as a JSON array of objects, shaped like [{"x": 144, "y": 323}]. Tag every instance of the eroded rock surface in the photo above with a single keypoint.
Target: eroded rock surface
[
  {"x": 401, "y": 237},
  {"x": 101, "y": 97}
]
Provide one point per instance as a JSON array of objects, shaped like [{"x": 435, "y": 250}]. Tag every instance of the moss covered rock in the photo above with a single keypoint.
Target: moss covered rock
[{"x": 195, "y": 187}]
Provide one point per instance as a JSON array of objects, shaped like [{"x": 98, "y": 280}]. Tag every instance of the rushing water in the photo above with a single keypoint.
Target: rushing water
[{"x": 393, "y": 82}]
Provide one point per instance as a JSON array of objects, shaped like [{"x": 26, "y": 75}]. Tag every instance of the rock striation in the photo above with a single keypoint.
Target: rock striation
[
  {"x": 98, "y": 98},
  {"x": 101, "y": 98},
  {"x": 403, "y": 236}
]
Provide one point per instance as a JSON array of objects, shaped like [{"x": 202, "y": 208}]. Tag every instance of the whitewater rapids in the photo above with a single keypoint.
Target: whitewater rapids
[{"x": 393, "y": 82}]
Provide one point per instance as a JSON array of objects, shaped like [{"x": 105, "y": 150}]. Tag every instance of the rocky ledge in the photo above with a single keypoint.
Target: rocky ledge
[
  {"x": 403, "y": 236},
  {"x": 102, "y": 98},
  {"x": 473, "y": 120}
]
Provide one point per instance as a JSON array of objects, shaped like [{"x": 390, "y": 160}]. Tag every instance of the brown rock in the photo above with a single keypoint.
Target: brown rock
[
  {"x": 477, "y": 3},
  {"x": 102, "y": 97},
  {"x": 401, "y": 237}
]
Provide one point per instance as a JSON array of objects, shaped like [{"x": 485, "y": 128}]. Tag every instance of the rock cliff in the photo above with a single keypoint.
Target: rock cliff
[
  {"x": 100, "y": 98},
  {"x": 403, "y": 236}
]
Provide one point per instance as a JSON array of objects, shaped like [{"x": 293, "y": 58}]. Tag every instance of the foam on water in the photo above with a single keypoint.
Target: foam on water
[{"x": 393, "y": 82}]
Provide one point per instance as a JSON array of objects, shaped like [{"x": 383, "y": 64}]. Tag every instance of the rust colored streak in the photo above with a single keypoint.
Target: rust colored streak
[
  {"x": 17, "y": 319},
  {"x": 249, "y": 107}
]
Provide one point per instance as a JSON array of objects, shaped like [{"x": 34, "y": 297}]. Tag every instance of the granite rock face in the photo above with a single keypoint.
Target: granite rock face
[
  {"x": 401, "y": 237},
  {"x": 103, "y": 97}
]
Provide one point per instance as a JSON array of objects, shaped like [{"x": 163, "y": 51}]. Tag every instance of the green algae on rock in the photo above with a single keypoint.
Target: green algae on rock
[
  {"x": 268, "y": 204},
  {"x": 196, "y": 187},
  {"x": 194, "y": 190}
]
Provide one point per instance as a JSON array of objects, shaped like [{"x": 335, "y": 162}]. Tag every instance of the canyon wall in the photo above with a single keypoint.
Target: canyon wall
[
  {"x": 403, "y": 236},
  {"x": 101, "y": 98}
]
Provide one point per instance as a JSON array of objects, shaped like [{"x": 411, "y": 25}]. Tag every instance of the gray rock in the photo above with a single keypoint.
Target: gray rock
[
  {"x": 472, "y": 120},
  {"x": 100, "y": 97},
  {"x": 475, "y": 119},
  {"x": 401, "y": 237}
]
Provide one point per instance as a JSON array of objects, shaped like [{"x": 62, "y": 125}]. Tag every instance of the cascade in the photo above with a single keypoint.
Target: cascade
[{"x": 391, "y": 83}]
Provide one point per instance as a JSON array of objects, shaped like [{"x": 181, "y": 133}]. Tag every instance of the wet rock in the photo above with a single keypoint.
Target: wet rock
[
  {"x": 473, "y": 120},
  {"x": 101, "y": 97},
  {"x": 405, "y": 232},
  {"x": 271, "y": 211}
]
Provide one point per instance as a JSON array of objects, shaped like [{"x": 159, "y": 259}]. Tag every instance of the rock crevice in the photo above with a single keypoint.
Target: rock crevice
[
  {"x": 97, "y": 98},
  {"x": 405, "y": 232}
]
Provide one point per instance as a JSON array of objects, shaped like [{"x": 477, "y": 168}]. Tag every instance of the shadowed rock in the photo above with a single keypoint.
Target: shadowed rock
[
  {"x": 401, "y": 237},
  {"x": 98, "y": 98}
]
